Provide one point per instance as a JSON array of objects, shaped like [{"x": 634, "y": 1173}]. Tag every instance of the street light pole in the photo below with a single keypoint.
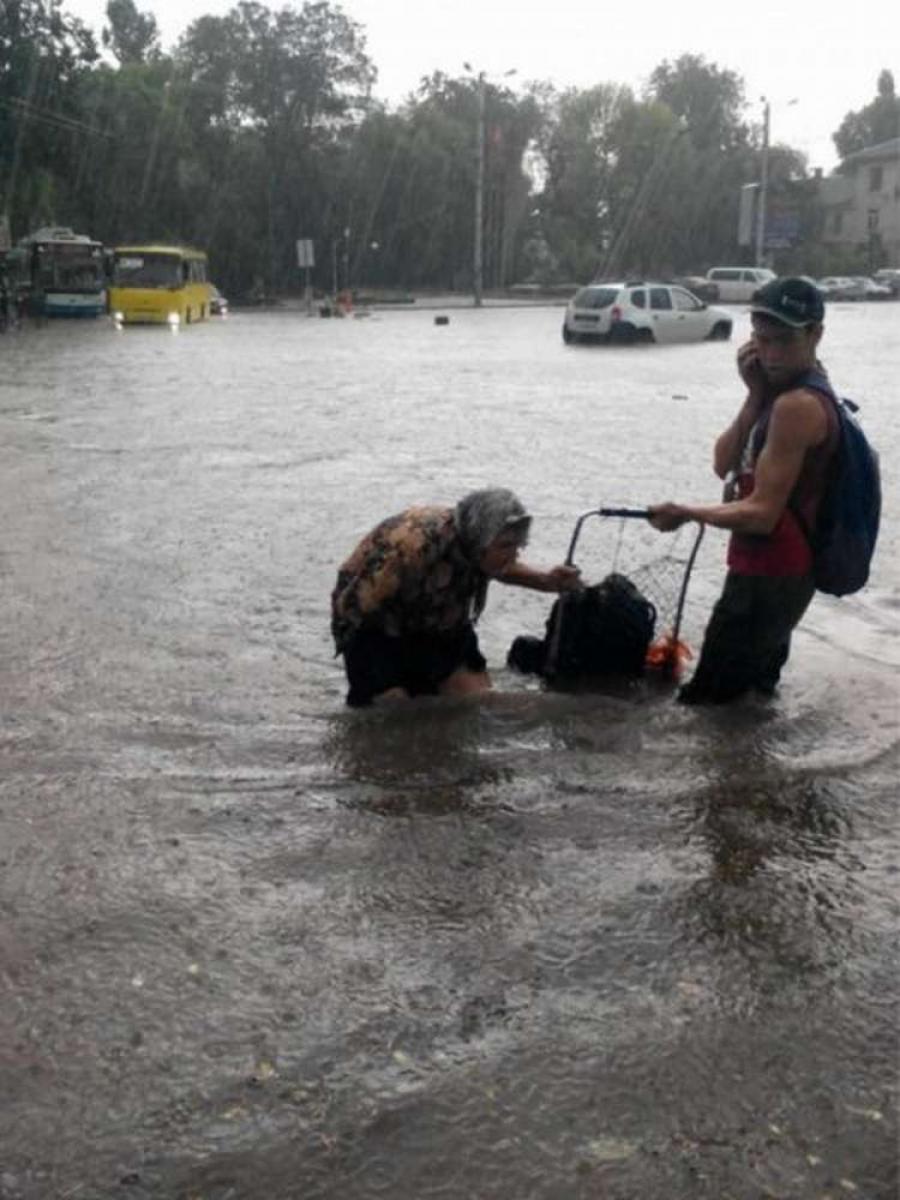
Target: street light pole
[
  {"x": 478, "y": 253},
  {"x": 763, "y": 188},
  {"x": 478, "y": 263},
  {"x": 762, "y": 207}
]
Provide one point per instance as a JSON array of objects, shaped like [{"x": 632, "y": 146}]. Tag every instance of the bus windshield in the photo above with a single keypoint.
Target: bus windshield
[
  {"x": 73, "y": 275},
  {"x": 148, "y": 271},
  {"x": 66, "y": 266}
]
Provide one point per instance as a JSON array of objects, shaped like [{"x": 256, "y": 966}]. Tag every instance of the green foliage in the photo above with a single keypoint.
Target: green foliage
[
  {"x": 651, "y": 185},
  {"x": 878, "y": 121},
  {"x": 708, "y": 100},
  {"x": 43, "y": 53},
  {"x": 259, "y": 128},
  {"x": 132, "y": 36}
]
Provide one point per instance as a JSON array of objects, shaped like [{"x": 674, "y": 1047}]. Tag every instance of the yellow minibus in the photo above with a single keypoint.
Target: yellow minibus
[{"x": 159, "y": 285}]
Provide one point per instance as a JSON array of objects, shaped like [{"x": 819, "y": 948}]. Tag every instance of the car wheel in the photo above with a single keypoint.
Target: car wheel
[
  {"x": 569, "y": 337},
  {"x": 720, "y": 332},
  {"x": 644, "y": 337}
]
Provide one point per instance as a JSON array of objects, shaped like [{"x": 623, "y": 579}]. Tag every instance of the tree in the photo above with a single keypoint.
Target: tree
[
  {"x": 646, "y": 185},
  {"x": 708, "y": 99},
  {"x": 579, "y": 150},
  {"x": 43, "y": 52},
  {"x": 716, "y": 157},
  {"x": 294, "y": 82},
  {"x": 876, "y": 122},
  {"x": 132, "y": 36}
]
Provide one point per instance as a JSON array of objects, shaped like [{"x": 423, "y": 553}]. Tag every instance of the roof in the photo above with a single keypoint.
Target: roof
[
  {"x": 57, "y": 233},
  {"x": 157, "y": 248},
  {"x": 881, "y": 152}
]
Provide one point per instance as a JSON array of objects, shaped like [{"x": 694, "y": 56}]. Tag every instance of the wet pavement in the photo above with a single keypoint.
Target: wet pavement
[{"x": 543, "y": 947}]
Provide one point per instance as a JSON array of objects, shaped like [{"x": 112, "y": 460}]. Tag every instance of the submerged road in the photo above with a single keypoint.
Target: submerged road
[{"x": 253, "y": 945}]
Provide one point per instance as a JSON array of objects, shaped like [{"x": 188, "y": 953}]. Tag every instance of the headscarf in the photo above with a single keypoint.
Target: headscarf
[{"x": 482, "y": 516}]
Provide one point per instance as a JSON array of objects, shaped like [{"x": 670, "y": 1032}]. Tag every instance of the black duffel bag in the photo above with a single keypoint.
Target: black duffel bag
[{"x": 600, "y": 630}]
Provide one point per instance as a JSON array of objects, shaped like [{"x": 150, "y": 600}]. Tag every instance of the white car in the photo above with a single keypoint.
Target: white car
[
  {"x": 642, "y": 312},
  {"x": 218, "y": 305},
  {"x": 889, "y": 277},
  {"x": 841, "y": 287},
  {"x": 737, "y": 284},
  {"x": 872, "y": 289}
]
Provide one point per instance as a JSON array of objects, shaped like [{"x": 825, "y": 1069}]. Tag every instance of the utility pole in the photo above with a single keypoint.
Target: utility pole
[
  {"x": 478, "y": 258},
  {"x": 763, "y": 189},
  {"x": 478, "y": 263}
]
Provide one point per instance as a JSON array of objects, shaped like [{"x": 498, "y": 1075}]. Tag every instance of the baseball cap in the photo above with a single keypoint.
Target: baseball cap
[{"x": 791, "y": 300}]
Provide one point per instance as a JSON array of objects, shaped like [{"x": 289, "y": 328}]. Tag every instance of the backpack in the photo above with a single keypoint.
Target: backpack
[
  {"x": 847, "y": 524},
  {"x": 600, "y": 630}
]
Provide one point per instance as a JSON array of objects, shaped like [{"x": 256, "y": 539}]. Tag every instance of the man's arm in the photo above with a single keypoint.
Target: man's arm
[
  {"x": 557, "y": 579},
  {"x": 797, "y": 424},
  {"x": 731, "y": 442}
]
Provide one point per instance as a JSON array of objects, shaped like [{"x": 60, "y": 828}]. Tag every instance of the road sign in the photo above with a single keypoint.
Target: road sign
[{"x": 305, "y": 254}]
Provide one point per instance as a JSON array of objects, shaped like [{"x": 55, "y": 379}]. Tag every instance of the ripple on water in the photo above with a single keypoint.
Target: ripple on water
[{"x": 553, "y": 945}]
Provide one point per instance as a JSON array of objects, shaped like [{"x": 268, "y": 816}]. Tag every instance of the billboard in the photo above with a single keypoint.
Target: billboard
[
  {"x": 783, "y": 223},
  {"x": 747, "y": 214}
]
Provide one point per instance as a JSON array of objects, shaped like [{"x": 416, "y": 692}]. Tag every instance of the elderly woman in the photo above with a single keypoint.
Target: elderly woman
[{"x": 407, "y": 598}]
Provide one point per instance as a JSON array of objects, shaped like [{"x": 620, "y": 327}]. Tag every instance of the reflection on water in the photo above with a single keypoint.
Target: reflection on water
[
  {"x": 404, "y": 758},
  {"x": 555, "y": 944}
]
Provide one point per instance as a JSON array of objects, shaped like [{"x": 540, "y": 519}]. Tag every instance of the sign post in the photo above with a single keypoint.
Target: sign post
[{"x": 306, "y": 260}]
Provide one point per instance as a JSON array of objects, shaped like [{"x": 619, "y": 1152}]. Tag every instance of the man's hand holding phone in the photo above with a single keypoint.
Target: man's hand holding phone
[{"x": 749, "y": 368}]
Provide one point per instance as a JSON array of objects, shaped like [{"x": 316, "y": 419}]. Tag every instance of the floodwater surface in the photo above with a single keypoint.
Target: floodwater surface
[{"x": 539, "y": 947}]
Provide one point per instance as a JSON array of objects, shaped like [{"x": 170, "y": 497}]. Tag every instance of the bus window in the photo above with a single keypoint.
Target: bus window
[{"x": 147, "y": 271}]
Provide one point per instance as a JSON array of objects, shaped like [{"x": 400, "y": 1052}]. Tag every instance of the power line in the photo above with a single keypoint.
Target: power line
[{"x": 47, "y": 117}]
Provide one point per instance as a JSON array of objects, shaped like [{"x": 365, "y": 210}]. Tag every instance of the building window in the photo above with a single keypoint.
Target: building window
[
  {"x": 873, "y": 219},
  {"x": 876, "y": 177}
]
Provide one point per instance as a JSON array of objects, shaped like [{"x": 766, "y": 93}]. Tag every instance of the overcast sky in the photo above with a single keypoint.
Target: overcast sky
[{"x": 826, "y": 55}]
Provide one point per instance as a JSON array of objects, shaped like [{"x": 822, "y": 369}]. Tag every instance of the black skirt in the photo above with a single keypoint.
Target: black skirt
[{"x": 419, "y": 663}]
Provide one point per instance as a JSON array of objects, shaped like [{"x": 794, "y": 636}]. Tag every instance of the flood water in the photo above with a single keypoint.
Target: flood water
[{"x": 542, "y": 947}]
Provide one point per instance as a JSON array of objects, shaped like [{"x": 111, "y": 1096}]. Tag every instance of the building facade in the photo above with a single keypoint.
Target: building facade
[{"x": 860, "y": 205}]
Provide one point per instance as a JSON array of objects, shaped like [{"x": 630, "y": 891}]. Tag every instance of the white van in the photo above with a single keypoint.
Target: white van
[{"x": 737, "y": 284}]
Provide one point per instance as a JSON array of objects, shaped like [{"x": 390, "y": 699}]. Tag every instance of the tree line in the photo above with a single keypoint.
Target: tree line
[{"x": 262, "y": 126}]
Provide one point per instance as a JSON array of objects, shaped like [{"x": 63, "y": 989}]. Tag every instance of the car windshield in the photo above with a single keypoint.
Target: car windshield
[
  {"x": 594, "y": 297},
  {"x": 147, "y": 270}
]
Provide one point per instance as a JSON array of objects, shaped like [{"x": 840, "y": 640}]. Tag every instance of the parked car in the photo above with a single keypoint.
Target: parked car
[
  {"x": 701, "y": 287},
  {"x": 218, "y": 305},
  {"x": 639, "y": 311},
  {"x": 737, "y": 284},
  {"x": 890, "y": 277},
  {"x": 872, "y": 289},
  {"x": 841, "y": 287}
]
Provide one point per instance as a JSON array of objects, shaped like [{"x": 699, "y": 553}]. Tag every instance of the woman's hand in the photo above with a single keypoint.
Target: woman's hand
[
  {"x": 557, "y": 579},
  {"x": 563, "y": 579}
]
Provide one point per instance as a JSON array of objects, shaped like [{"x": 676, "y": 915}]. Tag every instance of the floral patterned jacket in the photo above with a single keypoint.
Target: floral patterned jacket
[{"x": 409, "y": 575}]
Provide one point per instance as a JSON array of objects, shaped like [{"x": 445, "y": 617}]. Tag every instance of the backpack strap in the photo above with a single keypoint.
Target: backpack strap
[{"x": 815, "y": 380}]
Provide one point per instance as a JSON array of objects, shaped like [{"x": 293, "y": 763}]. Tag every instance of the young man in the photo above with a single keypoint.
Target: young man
[{"x": 775, "y": 456}]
